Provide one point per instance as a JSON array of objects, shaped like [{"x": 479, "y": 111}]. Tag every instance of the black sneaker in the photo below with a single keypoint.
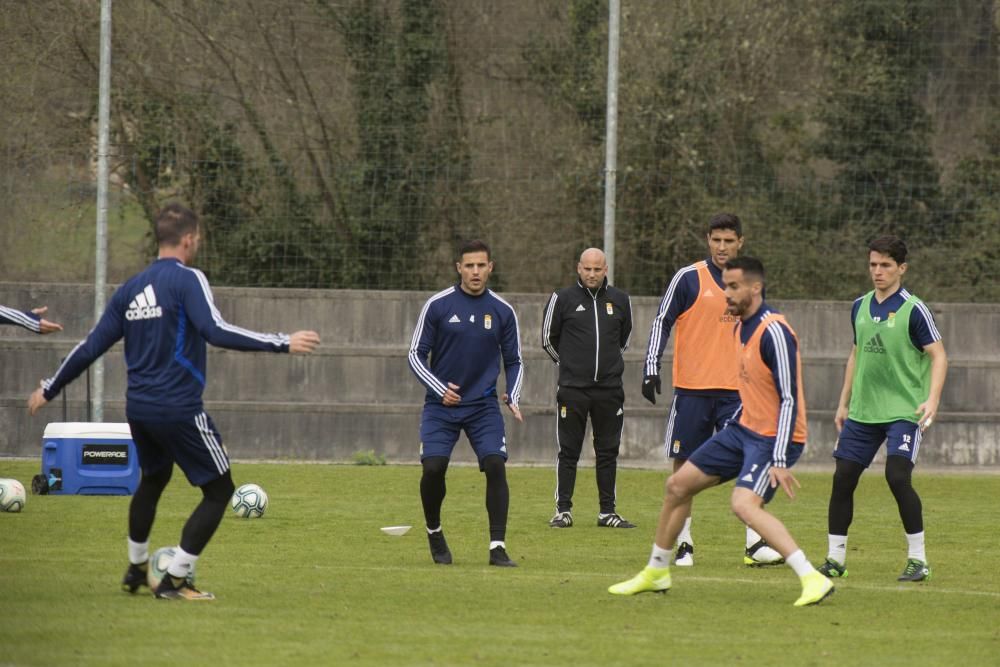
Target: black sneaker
[
  {"x": 613, "y": 520},
  {"x": 499, "y": 557},
  {"x": 915, "y": 570},
  {"x": 831, "y": 569},
  {"x": 170, "y": 590},
  {"x": 561, "y": 520},
  {"x": 439, "y": 548},
  {"x": 135, "y": 577}
]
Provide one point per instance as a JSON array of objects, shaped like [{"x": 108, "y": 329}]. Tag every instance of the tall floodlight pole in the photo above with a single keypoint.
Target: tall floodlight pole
[
  {"x": 101, "y": 257},
  {"x": 611, "y": 138}
]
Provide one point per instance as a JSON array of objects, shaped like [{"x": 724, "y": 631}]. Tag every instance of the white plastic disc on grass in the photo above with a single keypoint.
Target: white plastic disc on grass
[{"x": 396, "y": 530}]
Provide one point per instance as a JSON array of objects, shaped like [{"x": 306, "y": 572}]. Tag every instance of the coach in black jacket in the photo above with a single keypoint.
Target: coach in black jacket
[{"x": 585, "y": 329}]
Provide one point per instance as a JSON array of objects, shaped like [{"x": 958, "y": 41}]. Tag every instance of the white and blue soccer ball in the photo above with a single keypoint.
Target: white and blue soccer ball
[
  {"x": 12, "y": 495},
  {"x": 159, "y": 563},
  {"x": 249, "y": 501}
]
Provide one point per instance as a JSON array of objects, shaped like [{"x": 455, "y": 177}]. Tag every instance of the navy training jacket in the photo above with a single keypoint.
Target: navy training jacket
[
  {"x": 166, "y": 314},
  {"x": 465, "y": 337}
]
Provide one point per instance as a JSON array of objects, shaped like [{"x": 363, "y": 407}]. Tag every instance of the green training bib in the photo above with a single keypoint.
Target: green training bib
[{"x": 891, "y": 376}]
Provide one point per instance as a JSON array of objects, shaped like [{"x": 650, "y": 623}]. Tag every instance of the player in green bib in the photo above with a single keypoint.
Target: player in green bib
[{"x": 892, "y": 387}]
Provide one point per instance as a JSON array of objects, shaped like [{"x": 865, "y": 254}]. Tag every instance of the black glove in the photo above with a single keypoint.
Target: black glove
[{"x": 649, "y": 384}]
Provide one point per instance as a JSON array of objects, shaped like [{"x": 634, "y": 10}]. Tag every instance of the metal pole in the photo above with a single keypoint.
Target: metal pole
[
  {"x": 101, "y": 258},
  {"x": 611, "y": 138}
]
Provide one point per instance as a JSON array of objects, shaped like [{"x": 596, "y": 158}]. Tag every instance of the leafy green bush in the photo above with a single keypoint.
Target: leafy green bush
[{"x": 368, "y": 457}]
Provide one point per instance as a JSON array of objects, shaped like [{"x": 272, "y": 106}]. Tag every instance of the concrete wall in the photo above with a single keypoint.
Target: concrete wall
[{"x": 358, "y": 393}]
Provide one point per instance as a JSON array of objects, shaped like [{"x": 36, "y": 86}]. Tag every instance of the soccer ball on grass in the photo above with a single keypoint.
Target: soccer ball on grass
[
  {"x": 11, "y": 495},
  {"x": 249, "y": 501}
]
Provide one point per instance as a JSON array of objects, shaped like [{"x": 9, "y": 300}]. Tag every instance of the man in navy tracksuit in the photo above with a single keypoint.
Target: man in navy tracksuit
[
  {"x": 31, "y": 320},
  {"x": 166, "y": 314},
  {"x": 585, "y": 330},
  {"x": 466, "y": 330}
]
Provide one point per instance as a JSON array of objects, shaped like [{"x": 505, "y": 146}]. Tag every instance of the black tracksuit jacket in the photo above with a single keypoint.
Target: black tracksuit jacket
[{"x": 586, "y": 333}]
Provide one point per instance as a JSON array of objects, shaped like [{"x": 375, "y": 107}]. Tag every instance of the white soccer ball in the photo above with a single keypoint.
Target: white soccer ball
[
  {"x": 12, "y": 495},
  {"x": 159, "y": 562},
  {"x": 249, "y": 501}
]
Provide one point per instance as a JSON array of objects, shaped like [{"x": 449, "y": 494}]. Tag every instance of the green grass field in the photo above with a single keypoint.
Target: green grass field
[{"x": 315, "y": 582}]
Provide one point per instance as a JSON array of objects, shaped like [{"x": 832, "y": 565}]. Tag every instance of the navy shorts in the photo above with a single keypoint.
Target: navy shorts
[
  {"x": 738, "y": 453},
  {"x": 860, "y": 442},
  {"x": 440, "y": 426},
  {"x": 693, "y": 419},
  {"x": 194, "y": 444}
]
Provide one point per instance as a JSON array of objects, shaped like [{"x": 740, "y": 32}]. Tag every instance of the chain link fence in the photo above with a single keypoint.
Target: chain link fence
[{"x": 353, "y": 143}]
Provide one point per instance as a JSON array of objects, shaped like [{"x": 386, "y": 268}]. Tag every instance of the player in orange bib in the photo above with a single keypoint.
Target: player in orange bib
[
  {"x": 704, "y": 366},
  {"x": 757, "y": 448}
]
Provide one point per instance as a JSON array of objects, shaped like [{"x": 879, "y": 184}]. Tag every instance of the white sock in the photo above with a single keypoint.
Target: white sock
[
  {"x": 916, "y": 550},
  {"x": 798, "y": 562},
  {"x": 497, "y": 543},
  {"x": 753, "y": 537},
  {"x": 138, "y": 552},
  {"x": 838, "y": 548},
  {"x": 436, "y": 530},
  {"x": 660, "y": 557},
  {"x": 182, "y": 564},
  {"x": 685, "y": 534}
]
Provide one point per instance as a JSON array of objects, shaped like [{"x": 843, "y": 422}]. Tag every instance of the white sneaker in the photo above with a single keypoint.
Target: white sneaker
[
  {"x": 761, "y": 554},
  {"x": 685, "y": 555}
]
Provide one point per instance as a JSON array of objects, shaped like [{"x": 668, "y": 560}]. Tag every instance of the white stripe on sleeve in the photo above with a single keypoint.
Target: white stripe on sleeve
[
  {"x": 786, "y": 412},
  {"x": 656, "y": 328},
  {"x": 628, "y": 339},
  {"x": 272, "y": 339},
  {"x": 20, "y": 318},
  {"x": 547, "y": 328},
  {"x": 514, "y": 392},
  {"x": 418, "y": 366}
]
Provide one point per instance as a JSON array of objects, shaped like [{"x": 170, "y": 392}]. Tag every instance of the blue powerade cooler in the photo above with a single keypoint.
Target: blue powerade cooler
[{"x": 87, "y": 458}]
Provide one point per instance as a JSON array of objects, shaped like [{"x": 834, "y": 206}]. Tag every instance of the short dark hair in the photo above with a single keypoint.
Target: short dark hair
[
  {"x": 891, "y": 245},
  {"x": 173, "y": 222},
  {"x": 751, "y": 266},
  {"x": 473, "y": 245},
  {"x": 726, "y": 221}
]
